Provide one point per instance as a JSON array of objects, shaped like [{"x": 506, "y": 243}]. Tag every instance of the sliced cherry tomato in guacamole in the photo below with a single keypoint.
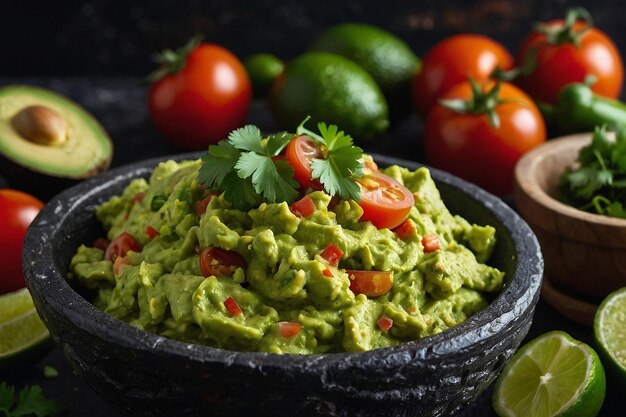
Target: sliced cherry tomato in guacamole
[
  {"x": 289, "y": 329},
  {"x": 303, "y": 207},
  {"x": 220, "y": 262},
  {"x": 430, "y": 242},
  {"x": 300, "y": 153},
  {"x": 384, "y": 323},
  {"x": 370, "y": 283},
  {"x": 118, "y": 264},
  {"x": 152, "y": 232},
  {"x": 385, "y": 202},
  {"x": 232, "y": 307},
  {"x": 200, "y": 206},
  {"x": 101, "y": 243},
  {"x": 120, "y": 246},
  {"x": 332, "y": 254}
]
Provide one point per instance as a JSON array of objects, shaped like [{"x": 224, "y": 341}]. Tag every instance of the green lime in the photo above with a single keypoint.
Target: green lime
[
  {"x": 552, "y": 375},
  {"x": 387, "y": 58},
  {"x": 610, "y": 333},
  {"x": 263, "y": 70},
  {"x": 331, "y": 89},
  {"x": 23, "y": 336}
]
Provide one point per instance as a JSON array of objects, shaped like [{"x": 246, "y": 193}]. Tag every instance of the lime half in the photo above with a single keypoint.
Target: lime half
[
  {"x": 552, "y": 375},
  {"x": 23, "y": 336},
  {"x": 610, "y": 332}
]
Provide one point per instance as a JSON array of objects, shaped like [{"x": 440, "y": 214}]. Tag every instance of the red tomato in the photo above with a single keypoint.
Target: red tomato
[
  {"x": 303, "y": 207},
  {"x": 118, "y": 264},
  {"x": 430, "y": 242},
  {"x": 289, "y": 329},
  {"x": 203, "y": 101},
  {"x": 120, "y": 246},
  {"x": 385, "y": 202},
  {"x": 370, "y": 283},
  {"x": 300, "y": 152},
  {"x": 220, "y": 262},
  {"x": 332, "y": 254},
  {"x": 405, "y": 229},
  {"x": 564, "y": 63},
  {"x": 200, "y": 206},
  {"x": 384, "y": 323},
  {"x": 232, "y": 307},
  {"x": 101, "y": 243},
  {"x": 327, "y": 273},
  {"x": 467, "y": 145},
  {"x": 452, "y": 61},
  {"x": 152, "y": 232},
  {"x": 17, "y": 211}
]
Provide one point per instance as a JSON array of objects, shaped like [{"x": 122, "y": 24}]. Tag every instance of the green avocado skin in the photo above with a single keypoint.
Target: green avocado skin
[
  {"x": 387, "y": 58},
  {"x": 329, "y": 88},
  {"x": 161, "y": 287}
]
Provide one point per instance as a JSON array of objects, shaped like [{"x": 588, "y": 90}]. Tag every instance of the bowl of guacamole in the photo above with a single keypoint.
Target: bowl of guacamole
[{"x": 171, "y": 298}]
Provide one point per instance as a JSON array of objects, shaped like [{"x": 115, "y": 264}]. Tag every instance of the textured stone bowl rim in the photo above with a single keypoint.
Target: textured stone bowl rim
[
  {"x": 50, "y": 286},
  {"x": 526, "y": 179}
]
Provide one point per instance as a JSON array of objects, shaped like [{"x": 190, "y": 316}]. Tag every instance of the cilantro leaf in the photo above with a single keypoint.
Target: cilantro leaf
[
  {"x": 240, "y": 192},
  {"x": 266, "y": 178},
  {"x": 247, "y": 138},
  {"x": 30, "y": 401},
  {"x": 217, "y": 163},
  {"x": 277, "y": 142},
  {"x": 7, "y": 394}
]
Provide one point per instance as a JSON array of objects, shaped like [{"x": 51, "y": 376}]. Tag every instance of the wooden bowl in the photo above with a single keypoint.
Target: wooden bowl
[{"x": 585, "y": 253}]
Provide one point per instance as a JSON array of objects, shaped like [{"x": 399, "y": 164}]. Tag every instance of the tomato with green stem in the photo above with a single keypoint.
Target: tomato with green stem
[
  {"x": 567, "y": 51},
  {"x": 199, "y": 94},
  {"x": 17, "y": 211},
  {"x": 452, "y": 61},
  {"x": 479, "y": 132},
  {"x": 220, "y": 262}
]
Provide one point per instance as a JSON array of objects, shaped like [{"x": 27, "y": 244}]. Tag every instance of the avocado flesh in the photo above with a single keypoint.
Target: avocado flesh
[{"x": 86, "y": 151}]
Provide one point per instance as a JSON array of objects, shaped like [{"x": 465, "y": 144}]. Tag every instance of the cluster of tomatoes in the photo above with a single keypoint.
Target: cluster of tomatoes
[{"x": 466, "y": 142}]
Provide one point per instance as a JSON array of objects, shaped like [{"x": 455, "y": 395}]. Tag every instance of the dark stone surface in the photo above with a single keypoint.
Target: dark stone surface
[{"x": 145, "y": 374}]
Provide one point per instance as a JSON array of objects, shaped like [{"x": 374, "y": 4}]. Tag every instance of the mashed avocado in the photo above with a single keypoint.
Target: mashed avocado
[{"x": 291, "y": 299}]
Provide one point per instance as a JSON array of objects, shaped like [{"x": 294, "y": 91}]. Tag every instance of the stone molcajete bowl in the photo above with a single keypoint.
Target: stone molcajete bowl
[{"x": 148, "y": 375}]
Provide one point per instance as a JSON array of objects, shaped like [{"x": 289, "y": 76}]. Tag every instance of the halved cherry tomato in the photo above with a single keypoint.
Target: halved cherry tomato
[
  {"x": 232, "y": 307},
  {"x": 384, "y": 323},
  {"x": 370, "y": 283},
  {"x": 101, "y": 243},
  {"x": 289, "y": 329},
  {"x": 300, "y": 152},
  {"x": 385, "y": 202},
  {"x": 405, "y": 229},
  {"x": 117, "y": 265},
  {"x": 152, "y": 232},
  {"x": 430, "y": 242},
  {"x": 120, "y": 246},
  {"x": 332, "y": 254},
  {"x": 303, "y": 207},
  {"x": 220, "y": 262}
]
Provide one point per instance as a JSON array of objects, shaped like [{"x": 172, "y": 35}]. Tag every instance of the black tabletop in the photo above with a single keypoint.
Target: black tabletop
[{"x": 120, "y": 105}]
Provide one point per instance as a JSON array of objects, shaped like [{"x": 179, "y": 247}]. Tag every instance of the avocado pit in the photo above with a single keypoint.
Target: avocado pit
[{"x": 40, "y": 124}]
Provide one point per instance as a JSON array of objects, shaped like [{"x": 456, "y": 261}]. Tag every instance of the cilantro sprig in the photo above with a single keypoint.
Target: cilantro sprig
[
  {"x": 30, "y": 401},
  {"x": 342, "y": 162},
  {"x": 246, "y": 166},
  {"x": 598, "y": 184}
]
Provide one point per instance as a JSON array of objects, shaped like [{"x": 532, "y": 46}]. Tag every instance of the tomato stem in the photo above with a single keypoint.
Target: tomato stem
[
  {"x": 567, "y": 33},
  {"x": 170, "y": 62},
  {"x": 482, "y": 102}
]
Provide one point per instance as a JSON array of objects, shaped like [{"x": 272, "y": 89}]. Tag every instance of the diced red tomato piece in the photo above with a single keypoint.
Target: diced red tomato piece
[
  {"x": 152, "y": 232},
  {"x": 332, "y": 254},
  {"x": 220, "y": 262},
  {"x": 232, "y": 307},
  {"x": 101, "y": 243},
  {"x": 120, "y": 246},
  {"x": 138, "y": 197},
  {"x": 288, "y": 329},
  {"x": 117, "y": 265},
  {"x": 405, "y": 229},
  {"x": 430, "y": 242},
  {"x": 200, "y": 206},
  {"x": 384, "y": 323},
  {"x": 327, "y": 273},
  {"x": 370, "y": 283},
  {"x": 303, "y": 207}
]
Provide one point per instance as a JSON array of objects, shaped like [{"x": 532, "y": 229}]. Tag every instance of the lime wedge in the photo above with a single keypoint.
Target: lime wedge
[
  {"x": 23, "y": 336},
  {"x": 610, "y": 333},
  {"x": 552, "y": 375}
]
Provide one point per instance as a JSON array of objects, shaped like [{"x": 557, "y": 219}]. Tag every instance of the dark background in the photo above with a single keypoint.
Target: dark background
[
  {"x": 95, "y": 52},
  {"x": 110, "y": 37}
]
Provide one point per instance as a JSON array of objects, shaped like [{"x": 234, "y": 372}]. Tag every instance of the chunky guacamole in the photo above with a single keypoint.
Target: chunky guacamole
[{"x": 294, "y": 287}]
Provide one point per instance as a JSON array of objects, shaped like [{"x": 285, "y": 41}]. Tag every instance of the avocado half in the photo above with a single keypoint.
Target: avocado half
[{"x": 47, "y": 141}]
